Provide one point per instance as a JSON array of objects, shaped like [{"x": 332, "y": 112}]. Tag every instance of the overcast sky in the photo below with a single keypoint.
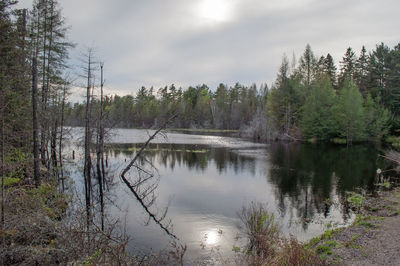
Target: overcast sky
[{"x": 191, "y": 42}]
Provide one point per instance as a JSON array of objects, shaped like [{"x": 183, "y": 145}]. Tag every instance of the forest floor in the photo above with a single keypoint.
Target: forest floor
[{"x": 373, "y": 239}]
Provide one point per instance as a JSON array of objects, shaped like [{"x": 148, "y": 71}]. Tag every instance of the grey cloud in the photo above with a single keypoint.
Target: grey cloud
[{"x": 157, "y": 42}]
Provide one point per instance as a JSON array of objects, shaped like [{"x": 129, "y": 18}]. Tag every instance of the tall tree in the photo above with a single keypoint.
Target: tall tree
[
  {"x": 377, "y": 119},
  {"x": 330, "y": 69},
  {"x": 50, "y": 48},
  {"x": 307, "y": 66},
  {"x": 317, "y": 119},
  {"x": 348, "y": 66},
  {"x": 349, "y": 112},
  {"x": 361, "y": 71}
]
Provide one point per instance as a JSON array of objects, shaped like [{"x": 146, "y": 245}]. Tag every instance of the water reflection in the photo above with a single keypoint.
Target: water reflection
[
  {"x": 310, "y": 178},
  {"x": 304, "y": 185}
]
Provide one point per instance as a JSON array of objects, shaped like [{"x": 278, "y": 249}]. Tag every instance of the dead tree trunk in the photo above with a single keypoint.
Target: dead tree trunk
[
  {"x": 36, "y": 154},
  {"x": 100, "y": 147},
  {"x": 88, "y": 138},
  {"x": 141, "y": 197},
  {"x": 60, "y": 158}
]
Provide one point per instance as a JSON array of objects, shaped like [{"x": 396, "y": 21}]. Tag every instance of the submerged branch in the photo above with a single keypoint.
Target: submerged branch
[
  {"x": 142, "y": 197},
  {"x": 145, "y": 207}
]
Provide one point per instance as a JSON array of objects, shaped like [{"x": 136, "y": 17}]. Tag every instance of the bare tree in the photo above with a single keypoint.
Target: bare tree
[
  {"x": 100, "y": 150},
  {"x": 88, "y": 138},
  {"x": 145, "y": 196}
]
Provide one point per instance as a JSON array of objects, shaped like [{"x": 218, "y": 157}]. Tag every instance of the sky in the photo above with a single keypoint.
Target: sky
[{"x": 192, "y": 42}]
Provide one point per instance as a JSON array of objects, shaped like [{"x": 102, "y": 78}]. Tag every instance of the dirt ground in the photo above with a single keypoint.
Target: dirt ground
[{"x": 373, "y": 239}]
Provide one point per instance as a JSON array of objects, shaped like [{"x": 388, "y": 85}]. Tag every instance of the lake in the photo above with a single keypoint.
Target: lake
[{"x": 206, "y": 180}]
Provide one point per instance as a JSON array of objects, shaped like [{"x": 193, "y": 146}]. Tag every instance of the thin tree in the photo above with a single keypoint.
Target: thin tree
[
  {"x": 35, "y": 122},
  {"x": 100, "y": 149},
  {"x": 88, "y": 139}
]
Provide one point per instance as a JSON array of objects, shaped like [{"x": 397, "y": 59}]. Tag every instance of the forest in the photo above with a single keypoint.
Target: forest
[{"x": 312, "y": 99}]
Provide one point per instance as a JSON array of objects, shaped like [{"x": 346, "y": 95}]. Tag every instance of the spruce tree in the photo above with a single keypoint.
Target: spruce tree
[
  {"x": 349, "y": 112},
  {"x": 376, "y": 119},
  {"x": 348, "y": 65},
  {"x": 361, "y": 71},
  {"x": 317, "y": 119}
]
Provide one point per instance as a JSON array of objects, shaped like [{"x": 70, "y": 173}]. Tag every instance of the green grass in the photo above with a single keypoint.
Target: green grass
[
  {"x": 11, "y": 181},
  {"x": 355, "y": 199},
  {"x": 366, "y": 221},
  {"x": 350, "y": 243},
  {"x": 326, "y": 248}
]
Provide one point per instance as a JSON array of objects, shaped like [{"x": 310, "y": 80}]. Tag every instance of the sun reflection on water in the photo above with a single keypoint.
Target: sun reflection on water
[{"x": 212, "y": 237}]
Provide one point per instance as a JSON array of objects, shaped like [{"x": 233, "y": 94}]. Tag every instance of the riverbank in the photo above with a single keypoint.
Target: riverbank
[
  {"x": 372, "y": 239},
  {"x": 41, "y": 229}
]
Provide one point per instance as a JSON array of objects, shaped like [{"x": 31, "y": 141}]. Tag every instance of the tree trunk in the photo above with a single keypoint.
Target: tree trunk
[
  {"x": 61, "y": 139},
  {"x": 36, "y": 158},
  {"x": 87, "y": 163}
]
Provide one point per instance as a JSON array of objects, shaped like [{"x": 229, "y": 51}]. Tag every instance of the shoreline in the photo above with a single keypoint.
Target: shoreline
[{"x": 373, "y": 237}]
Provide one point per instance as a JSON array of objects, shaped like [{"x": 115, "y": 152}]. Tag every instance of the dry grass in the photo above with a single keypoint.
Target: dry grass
[
  {"x": 266, "y": 244},
  {"x": 39, "y": 230},
  {"x": 35, "y": 232}
]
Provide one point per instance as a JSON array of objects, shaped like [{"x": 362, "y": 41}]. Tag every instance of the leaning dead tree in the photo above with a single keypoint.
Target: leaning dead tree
[{"x": 143, "y": 188}]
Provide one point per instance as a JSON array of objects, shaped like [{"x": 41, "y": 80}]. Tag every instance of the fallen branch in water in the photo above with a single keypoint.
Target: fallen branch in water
[{"x": 149, "y": 192}]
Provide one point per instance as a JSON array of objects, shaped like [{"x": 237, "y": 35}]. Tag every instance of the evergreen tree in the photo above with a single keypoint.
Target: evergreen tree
[
  {"x": 376, "y": 119},
  {"x": 330, "y": 69},
  {"x": 349, "y": 112},
  {"x": 307, "y": 66},
  {"x": 361, "y": 72},
  {"x": 317, "y": 118},
  {"x": 348, "y": 65}
]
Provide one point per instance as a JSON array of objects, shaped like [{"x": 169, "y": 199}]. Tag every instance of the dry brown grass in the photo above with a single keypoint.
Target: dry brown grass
[
  {"x": 35, "y": 232},
  {"x": 266, "y": 244}
]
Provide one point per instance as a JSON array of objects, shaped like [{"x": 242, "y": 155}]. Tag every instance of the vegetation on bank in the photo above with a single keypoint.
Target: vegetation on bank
[
  {"x": 35, "y": 232},
  {"x": 267, "y": 245},
  {"x": 340, "y": 245},
  {"x": 310, "y": 100},
  {"x": 348, "y": 244}
]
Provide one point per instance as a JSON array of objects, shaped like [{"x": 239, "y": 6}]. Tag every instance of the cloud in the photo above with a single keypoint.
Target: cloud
[{"x": 163, "y": 42}]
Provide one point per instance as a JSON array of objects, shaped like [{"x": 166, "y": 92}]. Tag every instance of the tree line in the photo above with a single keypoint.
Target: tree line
[
  {"x": 310, "y": 99},
  {"x": 34, "y": 87}
]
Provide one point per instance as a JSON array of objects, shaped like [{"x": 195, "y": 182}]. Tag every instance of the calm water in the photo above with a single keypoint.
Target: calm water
[{"x": 206, "y": 180}]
